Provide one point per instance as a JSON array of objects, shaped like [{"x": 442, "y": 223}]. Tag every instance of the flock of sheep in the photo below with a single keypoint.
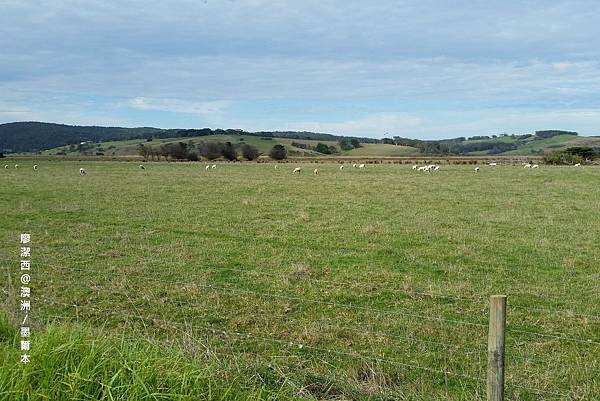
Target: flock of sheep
[{"x": 426, "y": 168}]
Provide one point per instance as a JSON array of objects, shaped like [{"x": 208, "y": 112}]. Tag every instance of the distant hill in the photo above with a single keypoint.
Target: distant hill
[
  {"x": 24, "y": 137},
  {"x": 38, "y": 136}
]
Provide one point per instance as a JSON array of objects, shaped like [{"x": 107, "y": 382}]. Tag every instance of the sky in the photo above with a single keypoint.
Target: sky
[{"x": 419, "y": 69}]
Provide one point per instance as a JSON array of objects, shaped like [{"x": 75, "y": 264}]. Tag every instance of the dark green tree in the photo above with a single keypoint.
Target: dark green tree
[{"x": 278, "y": 152}]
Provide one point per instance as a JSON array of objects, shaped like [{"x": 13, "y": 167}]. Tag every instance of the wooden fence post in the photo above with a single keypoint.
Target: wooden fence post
[{"x": 495, "y": 373}]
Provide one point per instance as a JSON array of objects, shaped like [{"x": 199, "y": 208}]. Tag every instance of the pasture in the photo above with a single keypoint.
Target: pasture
[{"x": 355, "y": 284}]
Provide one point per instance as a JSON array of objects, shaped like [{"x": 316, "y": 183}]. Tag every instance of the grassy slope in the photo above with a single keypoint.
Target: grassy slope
[
  {"x": 250, "y": 249},
  {"x": 368, "y": 149},
  {"x": 129, "y": 147}
]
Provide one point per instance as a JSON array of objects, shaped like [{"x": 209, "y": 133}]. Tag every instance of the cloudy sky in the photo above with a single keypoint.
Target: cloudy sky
[{"x": 421, "y": 69}]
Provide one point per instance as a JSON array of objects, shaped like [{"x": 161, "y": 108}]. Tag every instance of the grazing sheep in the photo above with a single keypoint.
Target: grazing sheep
[
  {"x": 35, "y": 166},
  {"x": 207, "y": 167},
  {"x": 476, "y": 169},
  {"x": 276, "y": 167},
  {"x": 577, "y": 165},
  {"x": 213, "y": 166},
  {"x": 422, "y": 168},
  {"x": 493, "y": 164},
  {"x": 361, "y": 166},
  {"x": 415, "y": 166},
  {"x": 82, "y": 171},
  {"x": 316, "y": 172},
  {"x": 342, "y": 167},
  {"x": 436, "y": 168},
  {"x": 527, "y": 165},
  {"x": 16, "y": 166},
  {"x": 142, "y": 167},
  {"x": 296, "y": 170},
  {"x": 354, "y": 165},
  {"x": 6, "y": 166},
  {"x": 535, "y": 166}
]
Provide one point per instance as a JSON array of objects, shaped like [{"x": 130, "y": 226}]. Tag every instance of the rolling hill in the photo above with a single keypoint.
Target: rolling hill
[{"x": 60, "y": 139}]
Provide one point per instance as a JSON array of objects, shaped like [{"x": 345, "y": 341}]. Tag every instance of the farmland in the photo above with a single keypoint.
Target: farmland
[{"x": 249, "y": 282}]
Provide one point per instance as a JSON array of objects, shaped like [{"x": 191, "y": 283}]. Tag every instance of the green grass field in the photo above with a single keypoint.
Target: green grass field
[{"x": 248, "y": 282}]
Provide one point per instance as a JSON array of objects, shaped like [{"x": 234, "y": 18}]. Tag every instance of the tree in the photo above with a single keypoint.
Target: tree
[
  {"x": 229, "y": 152},
  {"x": 345, "y": 145},
  {"x": 250, "y": 152},
  {"x": 355, "y": 143},
  {"x": 322, "y": 148},
  {"x": 278, "y": 152},
  {"x": 177, "y": 150},
  {"x": 210, "y": 150}
]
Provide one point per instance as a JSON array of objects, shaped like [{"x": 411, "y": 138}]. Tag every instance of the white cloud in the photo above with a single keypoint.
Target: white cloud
[{"x": 207, "y": 109}]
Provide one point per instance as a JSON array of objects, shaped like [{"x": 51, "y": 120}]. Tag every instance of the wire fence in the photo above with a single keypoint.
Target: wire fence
[{"x": 472, "y": 353}]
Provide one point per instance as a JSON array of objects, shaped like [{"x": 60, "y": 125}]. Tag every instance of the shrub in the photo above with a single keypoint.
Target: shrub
[
  {"x": 562, "y": 158},
  {"x": 250, "y": 152},
  {"x": 278, "y": 152},
  {"x": 229, "y": 152},
  {"x": 210, "y": 150},
  {"x": 322, "y": 148}
]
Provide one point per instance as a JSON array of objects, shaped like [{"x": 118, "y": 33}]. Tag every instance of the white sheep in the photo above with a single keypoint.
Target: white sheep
[
  {"x": 35, "y": 166},
  {"x": 527, "y": 165},
  {"x": 342, "y": 167},
  {"x": 296, "y": 170},
  {"x": 361, "y": 166},
  {"x": 6, "y": 166},
  {"x": 422, "y": 168},
  {"x": 316, "y": 172},
  {"x": 82, "y": 171},
  {"x": 476, "y": 169},
  {"x": 207, "y": 167},
  {"x": 16, "y": 166},
  {"x": 142, "y": 167},
  {"x": 414, "y": 167},
  {"x": 213, "y": 166},
  {"x": 493, "y": 164},
  {"x": 276, "y": 167},
  {"x": 436, "y": 168},
  {"x": 354, "y": 165},
  {"x": 577, "y": 165},
  {"x": 535, "y": 166}
]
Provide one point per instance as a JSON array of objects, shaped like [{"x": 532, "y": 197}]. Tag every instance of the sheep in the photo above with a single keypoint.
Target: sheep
[
  {"x": 16, "y": 166},
  {"x": 276, "y": 167},
  {"x": 577, "y": 165},
  {"x": 436, "y": 168},
  {"x": 296, "y": 170},
  {"x": 6, "y": 166},
  {"x": 35, "y": 166},
  {"x": 142, "y": 167},
  {"x": 316, "y": 172},
  {"x": 82, "y": 171},
  {"x": 527, "y": 165},
  {"x": 207, "y": 167},
  {"x": 213, "y": 166},
  {"x": 354, "y": 165},
  {"x": 342, "y": 167},
  {"x": 361, "y": 166},
  {"x": 422, "y": 168},
  {"x": 535, "y": 166},
  {"x": 414, "y": 167},
  {"x": 476, "y": 169},
  {"x": 493, "y": 164}
]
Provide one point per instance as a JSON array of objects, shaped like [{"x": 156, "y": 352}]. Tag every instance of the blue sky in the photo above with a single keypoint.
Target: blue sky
[{"x": 420, "y": 69}]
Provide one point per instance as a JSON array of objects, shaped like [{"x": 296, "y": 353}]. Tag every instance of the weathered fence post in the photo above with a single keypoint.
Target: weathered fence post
[{"x": 495, "y": 373}]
